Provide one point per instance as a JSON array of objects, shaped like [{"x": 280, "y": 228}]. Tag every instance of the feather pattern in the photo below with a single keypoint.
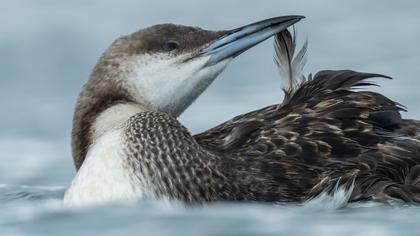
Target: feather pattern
[
  {"x": 327, "y": 141},
  {"x": 290, "y": 66}
]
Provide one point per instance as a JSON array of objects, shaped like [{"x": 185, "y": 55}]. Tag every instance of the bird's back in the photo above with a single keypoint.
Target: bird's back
[{"x": 326, "y": 135}]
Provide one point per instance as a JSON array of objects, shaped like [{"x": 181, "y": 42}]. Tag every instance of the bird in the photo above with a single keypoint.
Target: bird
[{"x": 330, "y": 136}]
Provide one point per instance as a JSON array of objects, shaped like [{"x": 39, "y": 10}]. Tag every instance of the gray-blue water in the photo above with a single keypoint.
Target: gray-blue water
[{"x": 48, "y": 47}]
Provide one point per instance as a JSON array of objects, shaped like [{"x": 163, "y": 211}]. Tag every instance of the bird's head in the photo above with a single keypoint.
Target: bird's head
[
  {"x": 163, "y": 68},
  {"x": 166, "y": 67}
]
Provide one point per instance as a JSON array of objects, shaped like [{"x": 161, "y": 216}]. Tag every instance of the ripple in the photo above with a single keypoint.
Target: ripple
[{"x": 29, "y": 193}]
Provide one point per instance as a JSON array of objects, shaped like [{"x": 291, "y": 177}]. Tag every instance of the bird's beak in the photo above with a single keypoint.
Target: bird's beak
[{"x": 236, "y": 41}]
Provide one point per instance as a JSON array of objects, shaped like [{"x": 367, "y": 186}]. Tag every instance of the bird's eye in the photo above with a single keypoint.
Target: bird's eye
[{"x": 169, "y": 46}]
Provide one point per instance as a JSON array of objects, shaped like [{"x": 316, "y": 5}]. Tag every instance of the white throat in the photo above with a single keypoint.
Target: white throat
[{"x": 168, "y": 84}]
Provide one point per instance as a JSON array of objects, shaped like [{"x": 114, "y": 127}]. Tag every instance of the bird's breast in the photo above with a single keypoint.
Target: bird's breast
[{"x": 105, "y": 175}]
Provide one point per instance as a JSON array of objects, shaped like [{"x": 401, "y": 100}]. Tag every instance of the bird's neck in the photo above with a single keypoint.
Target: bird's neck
[
  {"x": 114, "y": 117},
  {"x": 96, "y": 118},
  {"x": 103, "y": 104}
]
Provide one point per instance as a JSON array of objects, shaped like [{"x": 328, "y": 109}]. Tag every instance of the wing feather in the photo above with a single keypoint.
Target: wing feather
[
  {"x": 326, "y": 129},
  {"x": 290, "y": 66}
]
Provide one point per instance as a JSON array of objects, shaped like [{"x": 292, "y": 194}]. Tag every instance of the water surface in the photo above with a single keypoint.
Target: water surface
[{"x": 38, "y": 211}]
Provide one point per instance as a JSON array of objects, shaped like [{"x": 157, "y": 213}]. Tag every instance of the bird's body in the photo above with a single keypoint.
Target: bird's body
[{"x": 323, "y": 137}]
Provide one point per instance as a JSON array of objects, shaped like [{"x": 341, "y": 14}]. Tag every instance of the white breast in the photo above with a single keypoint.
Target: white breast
[{"x": 104, "y": 176}]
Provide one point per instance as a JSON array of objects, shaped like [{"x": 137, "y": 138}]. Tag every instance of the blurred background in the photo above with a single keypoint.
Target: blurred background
[{"x": 48, "y": 48}]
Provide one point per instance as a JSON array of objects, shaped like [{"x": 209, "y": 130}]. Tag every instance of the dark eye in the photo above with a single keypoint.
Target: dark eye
[{"x": 169, "y": 46}]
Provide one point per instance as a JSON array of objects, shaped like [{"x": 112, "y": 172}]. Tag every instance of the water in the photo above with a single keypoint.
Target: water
[
  {"x": 47, "y": 49},
  {"x": 38, "y": 211}
]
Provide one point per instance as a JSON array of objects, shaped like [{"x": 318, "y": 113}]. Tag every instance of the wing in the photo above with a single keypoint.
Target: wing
[
  {"x": 326, "y": 135},
  {"x": 323, "y": 109},
  {"x": 328, "y": 128}
]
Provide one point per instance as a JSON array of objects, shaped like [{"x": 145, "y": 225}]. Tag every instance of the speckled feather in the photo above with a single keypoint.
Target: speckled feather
[{"x": 324, "y": 135}]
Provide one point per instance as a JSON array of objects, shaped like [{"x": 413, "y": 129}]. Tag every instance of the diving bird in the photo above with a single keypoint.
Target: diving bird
[{"x": 323, "y": 140}]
